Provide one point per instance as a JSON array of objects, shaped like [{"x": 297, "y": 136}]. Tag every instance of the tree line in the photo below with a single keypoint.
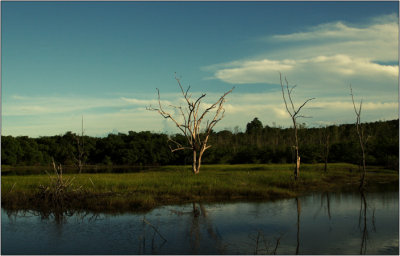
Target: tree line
[{"x": 257, "y": 144}]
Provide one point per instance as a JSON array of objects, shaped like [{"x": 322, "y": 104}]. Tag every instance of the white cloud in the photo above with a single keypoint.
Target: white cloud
[
  {"x": 280, "y": 113},
  {"x": 18, "y": 105},
  {"x": 137, "y": 101},
  {"x": 378, "y": 41},
  {"x": 309, "y": 72},
  {"x": 145, "y": 103},
  {"x": 349, "y": 105},
  {"x": 25, "y": 106},
  {"x": 324, "y": 60},
  {"x": 338, "y": 30}
]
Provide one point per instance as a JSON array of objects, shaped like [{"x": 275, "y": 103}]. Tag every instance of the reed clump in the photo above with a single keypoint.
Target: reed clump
[{"x": 60, "y": 191}]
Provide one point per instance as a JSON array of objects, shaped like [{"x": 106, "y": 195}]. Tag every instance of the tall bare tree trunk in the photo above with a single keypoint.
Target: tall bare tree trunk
[
  {"x": 79, "y": 158},
  {"x": 80, "y": 166},
  {"x": 194, "y": 164},
  {"x": 362, "y": 182},
  {"x": 198, "y": 164},
  {"x": 197, "y": 156},
  {"x": 326, "y": 163},
  {"x": 294, "y": 114},
  {"x": 326, "y": 148},
  {"x": 326, "y": 153},
  {"x": 297, "y": 168},
  {"x": 362, "y": 139}
]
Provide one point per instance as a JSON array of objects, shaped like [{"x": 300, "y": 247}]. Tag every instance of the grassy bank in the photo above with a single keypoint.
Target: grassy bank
[{"x": 176, "y": 184}]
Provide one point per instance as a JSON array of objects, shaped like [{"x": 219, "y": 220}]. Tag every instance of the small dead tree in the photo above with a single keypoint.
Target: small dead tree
[
  {"x": 80, "y": 154},
  {"x": 294, "y": 114},
  {"x": 189, "y": 123},
  {"x": 361, "y": 137},
  {"x": 326, "y": 148}
]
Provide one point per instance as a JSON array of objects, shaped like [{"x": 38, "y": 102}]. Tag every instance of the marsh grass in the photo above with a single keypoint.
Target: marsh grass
[{"x": 176, "y": 184}]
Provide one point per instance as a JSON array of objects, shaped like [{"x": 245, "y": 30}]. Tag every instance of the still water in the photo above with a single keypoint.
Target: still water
[{"x": 323, "y": 223}]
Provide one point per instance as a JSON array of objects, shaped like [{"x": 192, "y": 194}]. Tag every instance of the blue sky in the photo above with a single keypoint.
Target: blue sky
[{"x": 103, "y": 60}]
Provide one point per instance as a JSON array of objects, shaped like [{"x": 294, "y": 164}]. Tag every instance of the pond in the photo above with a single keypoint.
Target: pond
[{"x": 321, "y": 223}]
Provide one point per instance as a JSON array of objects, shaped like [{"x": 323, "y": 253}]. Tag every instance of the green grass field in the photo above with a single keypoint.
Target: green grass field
[{"x": 176, "y": 184}]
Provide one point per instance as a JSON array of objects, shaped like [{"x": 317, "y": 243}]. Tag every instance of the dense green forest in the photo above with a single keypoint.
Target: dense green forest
[{"x": 258, "y": 144}]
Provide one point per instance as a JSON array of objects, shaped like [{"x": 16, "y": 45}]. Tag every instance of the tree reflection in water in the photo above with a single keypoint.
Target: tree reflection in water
[
  {"x": 263, "y": 245},
  {"x": 362, "y": 220},
  {"x": 199, "y": 220},
  {"x": 328, "y": 204},
  {"x": 298, "y": 224},
  {"x": 58, "y": 216},
  {"x": 155, "y": 246}
]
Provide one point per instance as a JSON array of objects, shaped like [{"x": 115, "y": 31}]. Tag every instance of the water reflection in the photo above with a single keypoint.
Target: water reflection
[
  {"x": 327, "y": 223},
  {"x": 363, "y": 223},
  {"x": 363, "y": 218},
  {"x": 262, "y": 245},
  {"x": 298, "y": 224},
  {"x": 153, "y": 245},
  {"x": 57, "y": 217},
  {"x": 200, "y": 221},
  {"x": 328, "y": 204}
]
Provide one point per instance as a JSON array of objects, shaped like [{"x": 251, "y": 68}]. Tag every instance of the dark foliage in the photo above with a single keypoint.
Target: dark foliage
[{"x": 257, "y": 145}]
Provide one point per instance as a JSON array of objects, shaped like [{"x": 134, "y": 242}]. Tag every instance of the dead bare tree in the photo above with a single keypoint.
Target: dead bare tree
[
  {"x": 190, "y": 120},
  {"x": 79, "y": 158},
  {"x": 326, "y": 147},
  {"x": 294, "y": 114},
  {"x": 361, "y": 137}
]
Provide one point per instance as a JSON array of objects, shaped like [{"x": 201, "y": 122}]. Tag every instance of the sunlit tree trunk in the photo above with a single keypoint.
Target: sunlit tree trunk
[
  {"x": 194, "y": 165},
  {"x": 196, "y": 162}
]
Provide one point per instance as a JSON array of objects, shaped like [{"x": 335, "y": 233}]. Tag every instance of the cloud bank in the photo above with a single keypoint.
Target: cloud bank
[
  {"x": 326, "y": 57},
  {"x": 347, "y": 67},
  {"x": 129, "y": 113},
  {"x": 323, "y": 61}
]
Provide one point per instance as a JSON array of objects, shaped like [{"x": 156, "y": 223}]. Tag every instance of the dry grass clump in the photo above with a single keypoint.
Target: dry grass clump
[{"x": 60, "y": 191}]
